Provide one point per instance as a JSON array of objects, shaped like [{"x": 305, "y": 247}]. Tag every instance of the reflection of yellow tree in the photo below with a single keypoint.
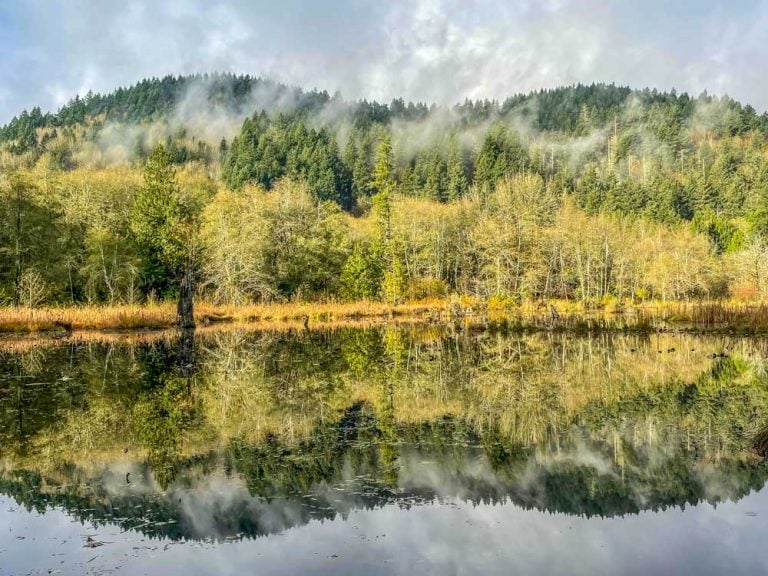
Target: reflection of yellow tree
[
  {"x": 248, "y": 392},
  {"x": 528, "y": 391}
]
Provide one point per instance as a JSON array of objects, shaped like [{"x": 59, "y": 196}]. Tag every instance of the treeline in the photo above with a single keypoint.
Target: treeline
[
  {"x": 585, "y": 192},
  {"x": 122, "y": 236},
  {"x": 573, "y": 110},
  {"x": 149, "y": 100},
  {"x": 524, "y": 240},
  {"x": 665, "y": 156}
]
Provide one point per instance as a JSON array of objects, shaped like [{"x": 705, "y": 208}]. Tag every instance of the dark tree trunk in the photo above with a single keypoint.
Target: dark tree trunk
[
  {"x": 187, "y": 362},
  {"x": 186, "y": 316}
]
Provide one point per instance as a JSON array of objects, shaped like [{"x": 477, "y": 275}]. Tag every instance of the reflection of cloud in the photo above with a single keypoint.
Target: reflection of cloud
[
  {"x": 460, "y": 479},
  {"x": 439, "y": 539},
  {"x": 583, "y": 477},
  {"x": 452, "y": 512},
  {"x": 219, "y": 507}
]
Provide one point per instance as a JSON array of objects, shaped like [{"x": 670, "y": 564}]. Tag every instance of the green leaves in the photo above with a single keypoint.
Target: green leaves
[
  {"x": 362, "y": 274},
  {"x": 163, "y": 223}
]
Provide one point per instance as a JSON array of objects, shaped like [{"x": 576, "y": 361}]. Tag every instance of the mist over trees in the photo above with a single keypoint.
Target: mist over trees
[{"x": 586, "y": 192}]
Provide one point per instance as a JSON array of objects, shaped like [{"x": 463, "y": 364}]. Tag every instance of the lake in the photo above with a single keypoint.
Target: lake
[{"x": 383, "y": 450}]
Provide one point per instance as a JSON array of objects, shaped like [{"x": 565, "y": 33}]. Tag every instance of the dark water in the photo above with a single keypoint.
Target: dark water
[{"x": 384, "y": 451}]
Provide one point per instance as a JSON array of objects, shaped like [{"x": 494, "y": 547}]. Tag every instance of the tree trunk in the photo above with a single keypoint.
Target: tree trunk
[
  {"x": 17, "y": 254},
  {"x": 186, "y": 317},
  {"x": 186, "y": 354}
]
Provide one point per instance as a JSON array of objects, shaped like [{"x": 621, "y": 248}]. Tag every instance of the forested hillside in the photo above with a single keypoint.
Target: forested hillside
[{"x": 268, "y": 192}]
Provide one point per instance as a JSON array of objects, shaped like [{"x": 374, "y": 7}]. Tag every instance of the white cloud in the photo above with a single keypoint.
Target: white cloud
[{"x": 433, "y": 50}]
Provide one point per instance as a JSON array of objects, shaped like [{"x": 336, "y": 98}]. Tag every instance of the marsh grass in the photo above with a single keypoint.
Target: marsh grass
[
  {"x": 736, "y": 317},
  {"x": 530, "y": 316},
  {"x": 720, "y": 317},
  {"x": 159, "y": 316}
]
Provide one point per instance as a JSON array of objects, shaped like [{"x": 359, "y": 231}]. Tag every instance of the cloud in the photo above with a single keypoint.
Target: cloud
[{"x": 427, "y": 50}]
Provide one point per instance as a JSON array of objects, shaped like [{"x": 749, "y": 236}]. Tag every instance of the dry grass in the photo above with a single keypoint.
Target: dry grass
[
  {"x": 752, "y": 318},
  {"x": 719, "y": 317},
  {"x": 160, "y": 316},
  {"x": 318, "y": 311},
  {"x": 127, "y": 317}
]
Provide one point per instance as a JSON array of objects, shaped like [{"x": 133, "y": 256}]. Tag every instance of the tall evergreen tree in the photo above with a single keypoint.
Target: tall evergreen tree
[
  {"x": 163, "y": 226},
  {"x": 458, "y": 183}
]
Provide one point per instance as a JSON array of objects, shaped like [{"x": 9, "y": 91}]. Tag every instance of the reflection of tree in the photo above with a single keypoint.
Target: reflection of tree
[
  {"x": 274, "y": 469},
  {"x": 317, "y": 424},
  {"x": 32, "y": 392},
  {"x": 160, "y": 417},
  {"x": 151, "y": 515},
  {"x": 507, "y": 460},
  {"x": 719, "y": 411},
  {"x": 530, "y": 388},
  {"x": 166, "y": 410},
  {"x": 388, "y": 444},
  {"x": 362, "y": 351},
  {"x": 341, "y": 468}
]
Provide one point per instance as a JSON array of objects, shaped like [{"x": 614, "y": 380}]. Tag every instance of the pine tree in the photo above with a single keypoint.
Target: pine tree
[
  {"x": 434, "y": 187},
  {"x": 361, "y": 276},
  {"x": 457, "y": 175},
  {"x": 163, "y": 228},
  {"x": 382, "y": 182}
]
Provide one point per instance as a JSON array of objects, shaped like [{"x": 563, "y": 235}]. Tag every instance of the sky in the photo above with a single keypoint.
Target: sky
[{"x": 426, "y": 50}]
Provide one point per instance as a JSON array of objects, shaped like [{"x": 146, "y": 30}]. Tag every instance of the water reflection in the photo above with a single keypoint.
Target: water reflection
[{"x": 243, "y": 434}]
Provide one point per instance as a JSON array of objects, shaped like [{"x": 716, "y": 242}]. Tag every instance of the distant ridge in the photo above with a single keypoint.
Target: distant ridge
[{"x": 554, "y": 110}]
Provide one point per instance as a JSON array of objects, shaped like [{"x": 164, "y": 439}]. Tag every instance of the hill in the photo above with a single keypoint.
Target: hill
[{"x": 470, "y": 198}]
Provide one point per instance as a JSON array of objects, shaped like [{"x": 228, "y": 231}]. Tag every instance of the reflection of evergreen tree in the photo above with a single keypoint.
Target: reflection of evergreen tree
[
  {"x": 407, "y": 415},
  {"x": 160, "y": 418}
]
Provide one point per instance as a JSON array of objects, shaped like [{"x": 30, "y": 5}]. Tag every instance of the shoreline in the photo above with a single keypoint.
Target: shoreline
[
  {"x": 134, "y": 318},
  {"x": 727, "y": 318}
]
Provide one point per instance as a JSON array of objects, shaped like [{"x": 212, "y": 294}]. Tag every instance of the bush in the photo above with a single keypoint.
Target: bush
[
  {"x": 501, "y": 303},
  {"x": 422, "y": 288}
]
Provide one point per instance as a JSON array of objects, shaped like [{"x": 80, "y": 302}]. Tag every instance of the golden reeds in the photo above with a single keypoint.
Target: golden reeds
[
  {"x": 157, "y": 316},
  {"x": 721, "y": 317}
]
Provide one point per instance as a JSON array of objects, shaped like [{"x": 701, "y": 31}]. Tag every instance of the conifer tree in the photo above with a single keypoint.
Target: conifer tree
[
  {"x": 163, "y": 226},
  {"x": 457, "y": 175}
]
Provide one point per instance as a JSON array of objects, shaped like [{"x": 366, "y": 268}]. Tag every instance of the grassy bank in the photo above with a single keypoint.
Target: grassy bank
[
  {"x": 717, "y": 317},
  {"x": 712, "y": 317},
  {"x": 159, "y": 316}
]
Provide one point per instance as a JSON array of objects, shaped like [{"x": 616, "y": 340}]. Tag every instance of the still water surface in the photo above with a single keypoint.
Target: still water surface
[{"x": 383, "y": 451}]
